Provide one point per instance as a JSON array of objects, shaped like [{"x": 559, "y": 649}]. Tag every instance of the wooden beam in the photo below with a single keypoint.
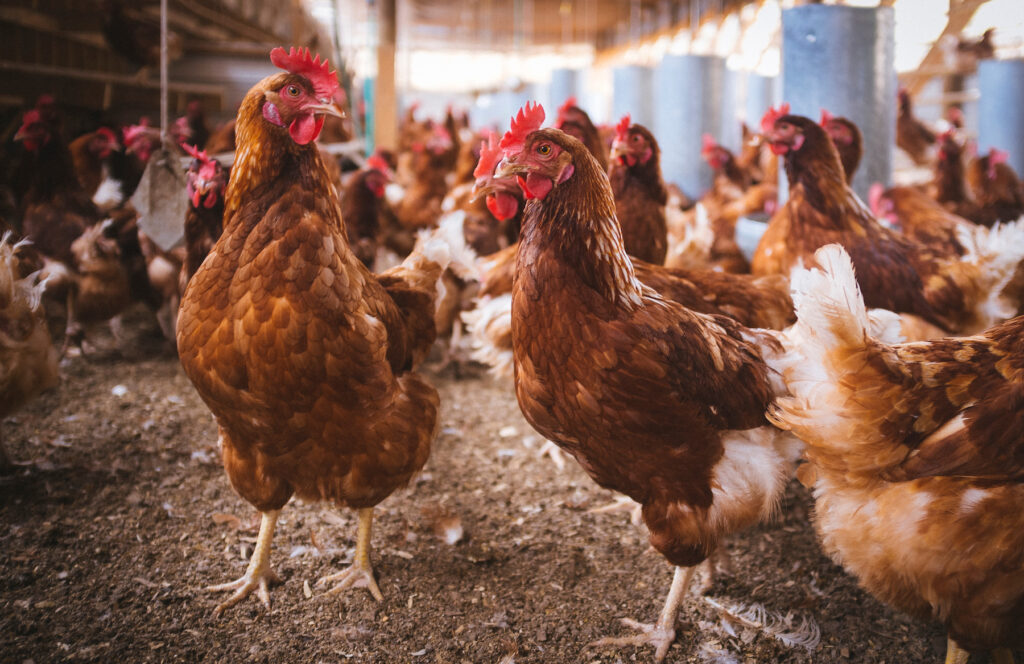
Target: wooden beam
[
  {"x": 239, "y": 27},
  {"x": 385, "y": 102},
  {"x": 103, "y": 77},
  {"x": 960, "y": 14}
]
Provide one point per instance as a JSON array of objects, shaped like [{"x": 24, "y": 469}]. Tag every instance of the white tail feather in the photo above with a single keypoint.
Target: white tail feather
[
  {"x": 490, "y": 327},
  {"x": 828, "y": 301},
  {"x": 997, "y": 251}
]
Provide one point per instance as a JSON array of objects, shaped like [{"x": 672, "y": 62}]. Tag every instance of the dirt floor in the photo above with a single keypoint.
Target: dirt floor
[{"x": 121, "y": 514}]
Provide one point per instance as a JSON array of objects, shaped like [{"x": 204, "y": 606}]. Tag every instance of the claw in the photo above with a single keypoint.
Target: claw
[
  {"x": 360, "y": 574},
  {"x": 243, "y": 587},
  {"x": 353, "y": 577},
  {"x": 659, "y": 637},
  {"x": 258, "y": 576}
]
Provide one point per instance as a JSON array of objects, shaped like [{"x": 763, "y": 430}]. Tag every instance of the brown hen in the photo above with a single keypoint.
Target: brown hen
[
  {"x": 894, "y": 272},
  {"x": 917, "y": 452},
  {"x": 306, "y": 358},
  {"x": 640, "y": 195},
  {"x": 652, "y": 399}
]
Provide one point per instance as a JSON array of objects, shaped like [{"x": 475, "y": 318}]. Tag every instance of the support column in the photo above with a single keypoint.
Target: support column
[
  {"x": 632, "y": 92},
  {"x": 564, "y": 84},
  {"x": 385, "y": 103},
  {"x": 687, "y": 104},
  {"x": 841, "y": 58},
  {"x": 761, "y": 95},
  {"x": 1000, "y": 121}
]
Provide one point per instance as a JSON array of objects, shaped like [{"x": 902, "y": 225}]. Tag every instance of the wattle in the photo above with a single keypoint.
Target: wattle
[
  {"x": 503, "y": 206},
  {"x": 305, "y": 128},
  {"x": 535, "y": 186}
]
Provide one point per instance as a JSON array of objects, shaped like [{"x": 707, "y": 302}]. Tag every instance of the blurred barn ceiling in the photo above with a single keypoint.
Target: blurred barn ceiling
[
  {"x": 94, "y": 54},
  {"x": 82, "y": 50},
  {"x": 509, "y": 23}
]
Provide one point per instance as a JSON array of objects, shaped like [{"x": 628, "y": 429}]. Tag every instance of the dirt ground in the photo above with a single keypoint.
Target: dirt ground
[{"x": 121, "y": 514}]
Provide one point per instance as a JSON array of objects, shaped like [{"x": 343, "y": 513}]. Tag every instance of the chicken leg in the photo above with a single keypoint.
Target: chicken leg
[
  {"x": 1002, "y": 656},
  {"x": 662, "y": 633},
  {"x": 622, "y": 504},
  {"x": 259, "y": 575},
  {"x": 360, "y": 573},
  {"x": 955, "y": 654}
]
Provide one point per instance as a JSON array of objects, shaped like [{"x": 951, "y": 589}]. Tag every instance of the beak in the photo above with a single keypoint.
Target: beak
[
  {"x": 482, "y": 187},
  {"x": 20, "y": 136},
  {"x": 507, "y": 169},
  {"x": 326, "y": 108}
]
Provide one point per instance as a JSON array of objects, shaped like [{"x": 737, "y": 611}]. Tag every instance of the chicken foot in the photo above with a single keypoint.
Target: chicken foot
[
  {"x": 259, "y": 575},
  {"x": 360, "y": 573},
  {"x": 622, "y": 504},
  {"x": 662, "y": 633}
]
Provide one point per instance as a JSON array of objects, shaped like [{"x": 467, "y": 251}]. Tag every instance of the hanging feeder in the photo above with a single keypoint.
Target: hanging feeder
[{"x": 161, "y": 198}]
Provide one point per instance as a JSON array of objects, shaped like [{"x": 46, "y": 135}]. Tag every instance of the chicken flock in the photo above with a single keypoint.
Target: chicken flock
[{"x": 874, "y": 350}]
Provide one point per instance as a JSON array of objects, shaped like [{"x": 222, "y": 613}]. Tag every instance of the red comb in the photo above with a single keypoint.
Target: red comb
[
  {"x": 107, "y": 133},
  {"x": 707, "y": 143},
  {"x": 378, "y": 163},
  {"x": 31, "y": 117},
  {"x": 826, "y": 117},
  {"x": 196, "y": 153},
  {"x": 299, "y": 61},
  {"x": 997, "y": 156},
  {"x": 563, "y": 109},
  {"x": 773, "y": 114},
  {"x": 622, "y": 129},
  {"x": 527, "y": 121},
  {"x": 490, "y": 155}
]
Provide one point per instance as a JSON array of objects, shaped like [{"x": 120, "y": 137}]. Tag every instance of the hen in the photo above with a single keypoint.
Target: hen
[
  {"x": 135, "y": 36},
  {"x": 90, "y": 155},
  {"x": 917, "y": 459},
  {"x": 361, "y": 208},
  {"x": 205, "y": 181},
  {"x": 28, "y": 360},
  {"x": 847, "y": 138},
  {"x": 994, "y": 186},
  {"x": 653, "y": 400},
  {"x": 306, "y": 358},
  {"x": 949, "y": 185},
  {"x": 894, "y": 272},
  {"x": 574, "y": 121},
  {"x": 640, "y": 196},
  {"x": 912, "y": 135},
  {"x": 55, "y": 208}
]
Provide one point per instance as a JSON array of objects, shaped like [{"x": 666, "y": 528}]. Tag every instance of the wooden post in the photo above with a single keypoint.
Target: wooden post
[{"x": 385, "y": 105}]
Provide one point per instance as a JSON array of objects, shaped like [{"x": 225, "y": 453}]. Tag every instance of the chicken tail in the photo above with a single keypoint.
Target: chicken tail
[
  {"x": 839, "y": 395},
  {"x": 995, "y": 253},
  {"x": 828, "y": 301},
  {"x": 18, "y": 295},
  {"x": 490, "y": 332}
]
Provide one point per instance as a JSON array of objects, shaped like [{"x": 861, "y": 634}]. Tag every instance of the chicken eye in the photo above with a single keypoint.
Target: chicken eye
[
  {"x": 635, "y": 138},
  {"x": 544, "y": 150},
  {"x": 292, "y": 90}
]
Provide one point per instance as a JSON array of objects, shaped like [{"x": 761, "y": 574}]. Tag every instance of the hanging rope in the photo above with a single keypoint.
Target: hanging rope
[{"x": 163, "y": 72}]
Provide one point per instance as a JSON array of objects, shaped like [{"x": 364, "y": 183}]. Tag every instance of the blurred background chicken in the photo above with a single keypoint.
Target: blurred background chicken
[{"x": 28, "y": 359}]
